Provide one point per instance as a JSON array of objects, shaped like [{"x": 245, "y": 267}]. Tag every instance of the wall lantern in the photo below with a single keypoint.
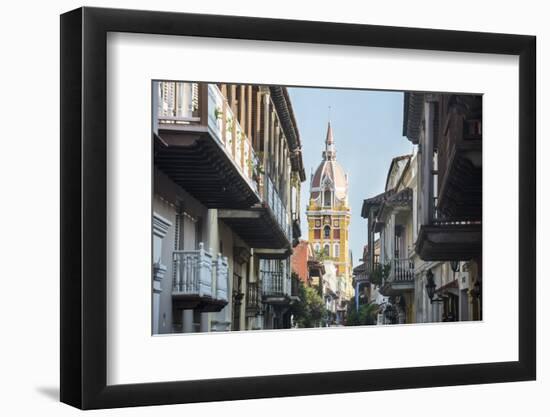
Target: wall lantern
[
  {"x": 476, "y": 290},
  {"x": 430, "y": 287},
  {"x": 455, "y": 266}
]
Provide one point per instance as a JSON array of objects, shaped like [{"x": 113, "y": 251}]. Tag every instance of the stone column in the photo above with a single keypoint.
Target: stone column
[
  {"x": 160, "y": 228},
  {"x": 187, "y": 320},
  {"x": 212, "y": 235},
  {"x": 158, "y": 274},
  {"x": 205, "y": 322},
  {"x": 212, "y": 245}
]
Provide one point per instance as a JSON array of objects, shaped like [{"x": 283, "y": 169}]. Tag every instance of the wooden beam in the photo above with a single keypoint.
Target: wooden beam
[
  {"x": 238, "y": 214},
  {"x": 203, "y": 103},
  {"x": 271, "y": 252}
]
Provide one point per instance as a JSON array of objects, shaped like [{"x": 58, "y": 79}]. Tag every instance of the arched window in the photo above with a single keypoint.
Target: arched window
[
  {"x": 326, "y": 250},
  {"x": 317, "y": 248},
  {"x": 327, "y": 197},
  {"x": 326, "y": 232},
  {"x": 336, "y": 250}
]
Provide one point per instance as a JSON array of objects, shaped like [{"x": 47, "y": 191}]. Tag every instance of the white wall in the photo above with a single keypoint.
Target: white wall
[{"x": 30, "y": 329}]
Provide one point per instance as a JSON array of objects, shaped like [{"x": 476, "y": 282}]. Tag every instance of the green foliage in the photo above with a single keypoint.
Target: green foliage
[
  {"x": 366, "y": 315},
  {"x": 380, "y": 273},
  {"x": 320, "y": 255},
  {"x": 310, "y": 311}
]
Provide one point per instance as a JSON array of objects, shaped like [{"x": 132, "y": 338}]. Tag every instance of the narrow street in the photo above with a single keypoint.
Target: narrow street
[{"x": 385, "y": 229}]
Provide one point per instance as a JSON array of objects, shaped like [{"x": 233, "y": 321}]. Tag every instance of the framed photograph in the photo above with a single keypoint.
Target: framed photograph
[{"x": 258, "y": 208}]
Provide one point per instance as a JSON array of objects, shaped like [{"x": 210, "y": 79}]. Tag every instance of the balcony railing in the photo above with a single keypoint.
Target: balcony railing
[
  {"x": 459, "y": 158},
  {"x": 275, "y": 276},
  {"x": 275, "y": 202},
  {"x": 439, "y": 219},
  {"x": 184, "y": 105},
  {"x": 196, "y": 106},
  {"x": 402, "y": 270},
  {"x": 253, "y": 297},
  {"x": 222, "y": 278},
  {"x": 273, "y": 283},
  {"x": 195, "y": 274}
]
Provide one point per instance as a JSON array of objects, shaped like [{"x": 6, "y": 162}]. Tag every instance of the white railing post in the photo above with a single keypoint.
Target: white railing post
[
  {"x": 222, "y": 277},
  {"x": 193, "y": 272},
  {"x": 177, "y": 278},
  {"x": 205, "y": 272}
]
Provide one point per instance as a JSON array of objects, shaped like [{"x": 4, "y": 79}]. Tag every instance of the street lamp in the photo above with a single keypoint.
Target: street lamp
[
  {"x": 430, "y": 287},
  {"x": 476, "y": 290}
]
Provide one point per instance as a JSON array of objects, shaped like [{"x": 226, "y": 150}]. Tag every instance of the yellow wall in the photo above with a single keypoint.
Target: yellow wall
[{"x": 342, "y": 215}]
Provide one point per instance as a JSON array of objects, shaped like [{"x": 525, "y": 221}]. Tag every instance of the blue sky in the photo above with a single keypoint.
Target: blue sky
[{"x": 367, "y": 127}]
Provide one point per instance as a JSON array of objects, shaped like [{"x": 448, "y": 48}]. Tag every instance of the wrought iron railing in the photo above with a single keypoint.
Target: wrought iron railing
[
  {"x": 275, "y": 276},
  {"x": 273, "y": 283},
  {"x": 253, "y": 296}
]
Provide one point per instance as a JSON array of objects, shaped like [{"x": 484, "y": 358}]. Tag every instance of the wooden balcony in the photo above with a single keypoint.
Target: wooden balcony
[
  {"x": 200, "y": 145},
  {"x": 266, "y": 226},
  {"x": 453, "y": 227},
  {"x": 199, "y": 282},
  {"x": 459, "y": 158},
  {"x": 361, "y": 273},
  {"x": 449, "y": 241}
]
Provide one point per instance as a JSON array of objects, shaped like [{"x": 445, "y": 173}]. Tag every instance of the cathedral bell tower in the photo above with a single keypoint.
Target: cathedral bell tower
[{"x": 328, "y": 214}]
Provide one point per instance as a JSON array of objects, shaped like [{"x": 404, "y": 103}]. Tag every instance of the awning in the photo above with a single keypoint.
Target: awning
[{"x": 450, "y": 285}]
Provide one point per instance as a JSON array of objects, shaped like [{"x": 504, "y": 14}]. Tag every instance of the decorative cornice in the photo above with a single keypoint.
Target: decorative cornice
[{"x": 160, "y": 225}]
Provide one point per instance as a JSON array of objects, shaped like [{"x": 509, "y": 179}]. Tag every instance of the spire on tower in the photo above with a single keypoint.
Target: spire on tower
[
  {"x": 330, "y": 139},
  {"x": 330, "y": 151}
]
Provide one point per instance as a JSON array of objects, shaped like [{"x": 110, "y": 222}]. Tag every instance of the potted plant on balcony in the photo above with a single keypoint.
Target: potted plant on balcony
[
  {"x": 256, "y": 167},
  {"x": 229, "y": 131},
  {"x": 218, "y": 113},
  {"x": 380, "y": 273}
]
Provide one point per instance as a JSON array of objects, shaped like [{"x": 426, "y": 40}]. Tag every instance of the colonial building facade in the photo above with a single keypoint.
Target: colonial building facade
[
  {"x": 328, "y": 216},
  {"x": 427, "y": 221},
  {"x": 227, "y": 174}
]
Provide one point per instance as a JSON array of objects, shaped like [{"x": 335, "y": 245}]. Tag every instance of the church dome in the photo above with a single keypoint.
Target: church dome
[{"x": 329, "y": 175}]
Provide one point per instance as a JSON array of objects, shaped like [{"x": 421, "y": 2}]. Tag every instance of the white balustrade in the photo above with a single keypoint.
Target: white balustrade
[
  {"x": 193, "y": 272},
  {"x": 402, "y": 270},
  {"x": 222, "y": 277},
  {"x": 177, "y": 103}
]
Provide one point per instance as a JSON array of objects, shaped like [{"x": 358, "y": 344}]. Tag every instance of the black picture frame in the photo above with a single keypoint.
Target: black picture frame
[{"x": 84, "y": 207}]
